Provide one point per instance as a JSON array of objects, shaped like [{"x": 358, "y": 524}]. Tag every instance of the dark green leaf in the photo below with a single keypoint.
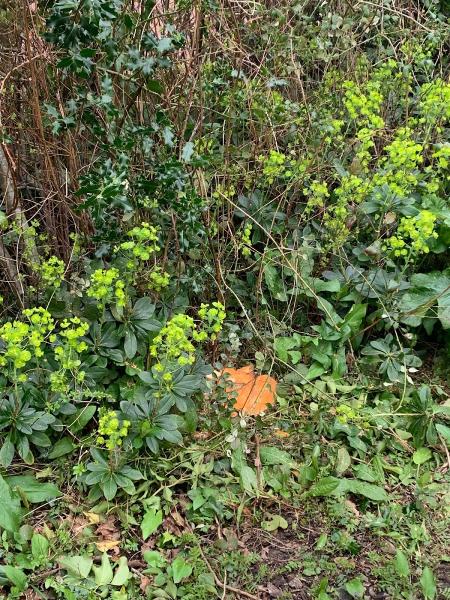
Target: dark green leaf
[
  {"x": 324, "y": 487},
  {"x": 62, "y": 447},
  {"x": 35, "y": 491},
  {"x": 10, "y": 511}
]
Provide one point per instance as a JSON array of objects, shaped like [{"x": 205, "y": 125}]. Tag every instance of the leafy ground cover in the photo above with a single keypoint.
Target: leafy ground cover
[{"x": 224, "y": 330}]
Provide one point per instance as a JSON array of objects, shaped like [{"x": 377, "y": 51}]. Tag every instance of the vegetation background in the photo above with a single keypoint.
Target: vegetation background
[{"x": 225, "y": 299}]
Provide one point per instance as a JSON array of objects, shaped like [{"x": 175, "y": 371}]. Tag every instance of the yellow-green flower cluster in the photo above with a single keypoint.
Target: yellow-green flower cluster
[
  {"x": 158, "y": 279},
  {"x": 174, "y": 342},
  {"x": 52, "y": 272},
  {"x": 41, "y": 324},
  {"x": 23, "y": 341},
  {"x": 401, "y": 163},
  {"x": 413, "y": 235},
  {"x": 71, "y": 334},
  {"x": 317, "y": 193},
  {"x": 212, "y": 317},
  {"x": 274, "y": 166},
  {"x": 434, "y": 105},
  {"x": 246, "y": 241},
  {"x": 333, "y": 130},
  {"x": 365, "y": 138},
  {"x": 364, "y": 103},
  {"x": 335, "y": 221},
  {"x": 143, "y": 242},
  {"x": 345, "y": 413},
  {"x": 352, "y": 190},
  {"x": 14, "y": 336},
  {"x": 106, "y": 286},
  {"x": 58, "y": 381},
  {"x": 385, "y": 72},
  {"x": 442, "y": 156},
  {"x": 278, "y": 166},
  {"x": 403, "y": 153},
  {"x": 224, "y": 191},
  {"x": 112, "y": 430},
  {"x": 72, "y": 330}
]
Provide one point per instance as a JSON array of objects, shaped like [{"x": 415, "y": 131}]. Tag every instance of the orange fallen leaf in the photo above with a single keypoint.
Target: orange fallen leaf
[
  {"x": 145, "y": 582},
  {"x": 253, "y": 393},
  {"x": 281, "y": 434},
  {"x": 106, "y": 545}
]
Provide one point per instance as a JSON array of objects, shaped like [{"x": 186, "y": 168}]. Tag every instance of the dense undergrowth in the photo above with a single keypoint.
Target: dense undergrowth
[{"x": 188, "y": 186}]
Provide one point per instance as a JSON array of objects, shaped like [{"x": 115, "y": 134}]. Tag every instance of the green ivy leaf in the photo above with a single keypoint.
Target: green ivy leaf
[
  {"x": 181, "y": 569},
  {"x": 78, "y": 566},
  {"x": 274, "y": 523},
  {"x": 355, "y": 588},
  {"x": 275, "y": 283},
  {"x": 103, "y": 573},
  {"x": 122, "y": 574},
  {"x": 282, "y": 345},
  {"x": 151, "y": 521}
]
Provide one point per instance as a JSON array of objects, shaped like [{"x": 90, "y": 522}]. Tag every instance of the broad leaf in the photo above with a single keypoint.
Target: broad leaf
[
  {"x": 401, "y": 564},
  {"x": 343, "y": 461},
  {"x": 34, "y": 491},
  {"x": 430, "y": 291},
  {"x": 103, "y": 573},
  {"x": 151, "y": 521},
  {"x": 362, "y": 488},
  {"x": 274, "y": 523},
  {"x": 324, "y": 487},
  {"x": 6, "y": 453},
  {"x": 122, "y": 574},
  {"x": 78, "y": 566},
  {"x": 10, "y": 511},
  {"x": 62, "y": 447},
  {"x": 180, "y": 569},
  {"x": 16, "y": 576},
  {"x": 428, "y": 584},
  {"x": 39, "y": 546},
  {"x": 271, "y": 455},
  {"x": 421, "y": 456}
]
